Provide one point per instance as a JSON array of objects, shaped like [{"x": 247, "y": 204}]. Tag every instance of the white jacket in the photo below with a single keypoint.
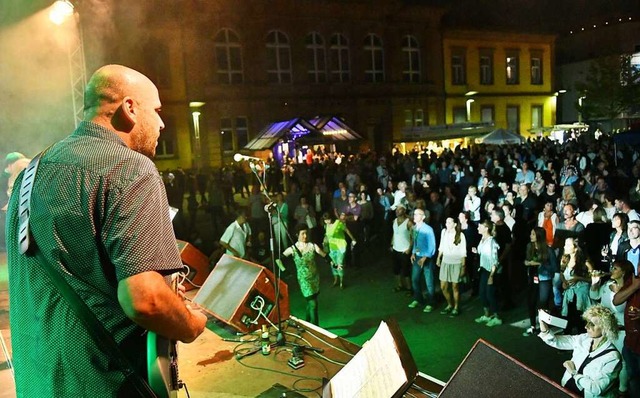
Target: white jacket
[{"x": 597, "y": 376}]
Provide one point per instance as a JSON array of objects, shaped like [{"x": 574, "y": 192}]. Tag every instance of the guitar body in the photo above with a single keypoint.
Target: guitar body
[{"x": 162, "y": 366}]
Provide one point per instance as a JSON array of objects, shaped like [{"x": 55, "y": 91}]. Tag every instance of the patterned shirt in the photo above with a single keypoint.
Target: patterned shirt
[{"x": 99, "y": 215}]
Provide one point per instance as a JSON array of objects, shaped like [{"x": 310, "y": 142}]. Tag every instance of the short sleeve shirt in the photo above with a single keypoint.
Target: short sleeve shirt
[{"x": 99, "y": 214}]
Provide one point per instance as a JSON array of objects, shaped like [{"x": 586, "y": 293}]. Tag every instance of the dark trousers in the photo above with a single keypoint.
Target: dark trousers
[
  {"x": 538, "y": 295},
  {"x": 401, "y": 263},
  {"x": 632, "y": 360},
  {"x": 575, "y": 323},
  {"x": 487, "y": 292}
]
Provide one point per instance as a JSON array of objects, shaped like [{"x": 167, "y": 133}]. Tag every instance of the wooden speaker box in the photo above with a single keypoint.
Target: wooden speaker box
[
  {"x": 197, "y": 262},
  {"x": 237, "y": 291}
]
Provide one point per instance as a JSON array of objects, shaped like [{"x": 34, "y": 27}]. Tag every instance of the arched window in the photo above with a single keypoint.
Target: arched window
[
  {"x": 316, "y": 58},
  {"x": 374, "y": 59},
  {"x": 228, "y": 57},
  {"x": 339, "y": 50},
  {"x": 411, "y": 70},
  {"x": 278, "y": 57},
  {"x": 156, "y": 58}
]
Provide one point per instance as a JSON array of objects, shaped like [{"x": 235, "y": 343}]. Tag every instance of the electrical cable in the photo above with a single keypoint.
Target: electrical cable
[
  {"x": 278, "y": 371},
  {"x": 5, "y": 351},
  {"x": 314, "y": 353},
  {"x": 297, "y": 389},
  {"x": 330, "y": 345}
]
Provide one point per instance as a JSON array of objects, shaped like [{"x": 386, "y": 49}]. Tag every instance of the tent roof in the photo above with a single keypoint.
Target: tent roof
[
  {"x": 500, "y": 136},
  {"x": 287, "y": 129},
  {"x": 335, "y": 128},
  {"x": 317, "y": 130},
  {"x": 445, "y": 132}
]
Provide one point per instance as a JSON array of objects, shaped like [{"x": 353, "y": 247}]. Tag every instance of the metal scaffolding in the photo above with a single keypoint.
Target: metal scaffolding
[{"x": 77, "y": 70}]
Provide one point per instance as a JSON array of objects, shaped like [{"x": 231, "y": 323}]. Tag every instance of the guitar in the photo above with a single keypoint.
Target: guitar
[
  {"x": 162, "y": 361},
  {"x": 162, "y": 366}
]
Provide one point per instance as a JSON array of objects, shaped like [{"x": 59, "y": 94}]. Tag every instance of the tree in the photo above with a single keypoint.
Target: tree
[{"x": 611, "y": 88}]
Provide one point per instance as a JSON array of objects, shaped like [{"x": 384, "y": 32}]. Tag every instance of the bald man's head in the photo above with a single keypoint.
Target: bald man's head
[
  {"x": 109, "y": 85},
  {"x": 127, "y": 102}
]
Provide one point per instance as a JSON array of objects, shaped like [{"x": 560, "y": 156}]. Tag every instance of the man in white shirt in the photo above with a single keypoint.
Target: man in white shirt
[
  {"x": 237, "y": 237},
  {"x": 399, "y": 195},
  {"x": 623, "y": 206},
  {"x": 472, "y": 203}
]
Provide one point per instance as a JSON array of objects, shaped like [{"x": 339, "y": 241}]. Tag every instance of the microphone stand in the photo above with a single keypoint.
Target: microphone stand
[{"x": 280, "y": 339}]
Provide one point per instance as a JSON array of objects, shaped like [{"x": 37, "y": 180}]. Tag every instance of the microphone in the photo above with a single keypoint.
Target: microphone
[
  {"x": 238, "y": 157},
  {"x": 269, "y": 206}
]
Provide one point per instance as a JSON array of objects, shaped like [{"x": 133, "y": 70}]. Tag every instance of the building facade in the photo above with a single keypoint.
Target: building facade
[
  {"x": 504, "y": 78},
  {"x": 226, "y": 69}
]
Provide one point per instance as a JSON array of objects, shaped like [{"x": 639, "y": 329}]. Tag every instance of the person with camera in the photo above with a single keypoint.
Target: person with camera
[{"x": 595, "y": 363}]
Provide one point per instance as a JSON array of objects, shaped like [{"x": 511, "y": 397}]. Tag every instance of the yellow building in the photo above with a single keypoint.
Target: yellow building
[{"x": 504, "y": 78}]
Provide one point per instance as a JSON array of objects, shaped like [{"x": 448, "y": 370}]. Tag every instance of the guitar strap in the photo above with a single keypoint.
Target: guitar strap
[{"x": 101, "y": 337}]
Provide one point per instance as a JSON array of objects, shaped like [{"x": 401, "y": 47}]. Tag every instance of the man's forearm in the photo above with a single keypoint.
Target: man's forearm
[{"x": 151, "y": 303}]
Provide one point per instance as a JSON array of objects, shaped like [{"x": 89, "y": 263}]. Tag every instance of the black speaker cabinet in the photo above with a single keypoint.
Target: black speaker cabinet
[
  {"x": 488, "y": 372},
  {"x": 236, "y": 287}
]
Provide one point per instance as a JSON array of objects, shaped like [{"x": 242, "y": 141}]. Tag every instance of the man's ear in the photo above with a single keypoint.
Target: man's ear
[
  {"x": 130, "y": 109},
  {"x": 126, "y": 115}
]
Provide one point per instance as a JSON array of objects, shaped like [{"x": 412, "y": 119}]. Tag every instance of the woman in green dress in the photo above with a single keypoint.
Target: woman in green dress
[
  {"x": 336, "y": 244},
  {"x": 303, "y": 253}
]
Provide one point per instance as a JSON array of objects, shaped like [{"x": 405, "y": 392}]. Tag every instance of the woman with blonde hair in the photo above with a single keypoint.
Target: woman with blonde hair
[
  {"x": 595, "y": 363},
  {"x": 452, "y": 254}
]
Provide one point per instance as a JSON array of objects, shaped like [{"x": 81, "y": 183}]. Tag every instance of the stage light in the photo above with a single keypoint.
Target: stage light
[{"x": 61, "y": 10}]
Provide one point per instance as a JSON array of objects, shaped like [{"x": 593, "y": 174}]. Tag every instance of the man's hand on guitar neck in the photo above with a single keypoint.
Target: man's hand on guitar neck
[{"x": 148, "y": 301}]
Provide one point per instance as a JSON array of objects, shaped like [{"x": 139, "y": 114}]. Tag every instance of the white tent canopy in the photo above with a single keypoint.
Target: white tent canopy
[{"x": 500, "y": 137}]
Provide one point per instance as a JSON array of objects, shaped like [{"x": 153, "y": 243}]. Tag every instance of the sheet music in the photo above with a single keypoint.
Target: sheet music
[{"x": 375, "y": 371}]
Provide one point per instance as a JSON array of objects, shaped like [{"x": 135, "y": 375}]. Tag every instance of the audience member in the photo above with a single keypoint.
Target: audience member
[
  {"x": 452, "y": 254},
  {"x": 423, "y": 250},
  {"x": 595, "y": 361}
]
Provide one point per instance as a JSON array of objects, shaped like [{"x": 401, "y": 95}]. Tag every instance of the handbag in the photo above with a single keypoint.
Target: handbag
[{"x": 101, "y": 337}]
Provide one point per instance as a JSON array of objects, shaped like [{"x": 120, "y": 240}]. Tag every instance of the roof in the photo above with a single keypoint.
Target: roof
[
  {"x": 287, "y": 129},
  {"x": 445, "y": 132},
  {"x": 500, "y": 137},
  {"x": 335, "y": 128},
  {"x": 323, "y": 129}
]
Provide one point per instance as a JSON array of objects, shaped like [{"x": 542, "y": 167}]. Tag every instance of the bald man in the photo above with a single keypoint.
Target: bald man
[{"x": 99, "y": 216}]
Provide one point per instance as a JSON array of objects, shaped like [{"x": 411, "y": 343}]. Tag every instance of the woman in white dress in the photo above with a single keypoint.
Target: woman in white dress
[{"x": 452, "y": 254}]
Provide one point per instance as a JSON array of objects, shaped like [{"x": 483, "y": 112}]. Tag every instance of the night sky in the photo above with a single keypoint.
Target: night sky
[{"x": 546, "y": 16}]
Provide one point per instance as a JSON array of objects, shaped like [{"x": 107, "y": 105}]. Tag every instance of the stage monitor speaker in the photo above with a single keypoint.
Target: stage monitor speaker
[
  {"x": 488, "y": 372},
  {"x": 235, "y": 287},
  {"x": 197, "y": 262}
]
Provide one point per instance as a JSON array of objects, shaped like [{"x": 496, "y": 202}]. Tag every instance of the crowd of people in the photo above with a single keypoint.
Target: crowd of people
[
  {"x": 543, "y": 217},
  {"x": 557, "y": 220}
]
